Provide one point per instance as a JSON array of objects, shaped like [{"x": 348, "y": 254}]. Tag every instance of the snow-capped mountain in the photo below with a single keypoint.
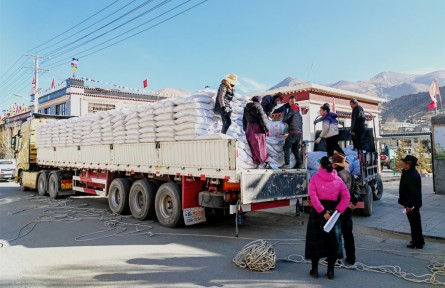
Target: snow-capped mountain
[{"x": 388, "y": 85}]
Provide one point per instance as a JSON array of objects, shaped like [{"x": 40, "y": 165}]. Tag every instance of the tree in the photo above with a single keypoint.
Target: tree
[
  {"x": 401, "y": 153},
  {"x": 423, "y": 158},
  {"x": 5, "y": 146}
]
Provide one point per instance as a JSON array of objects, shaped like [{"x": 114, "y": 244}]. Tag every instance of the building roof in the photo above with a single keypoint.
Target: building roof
[{"x": 317, "y": 88}]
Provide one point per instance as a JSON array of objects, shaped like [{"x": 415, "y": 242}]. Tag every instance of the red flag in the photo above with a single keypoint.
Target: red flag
[
  {"x": 145, "y": 83},
  {"x": 432, "y": 105},
  {"x": 52, "y": 84}
]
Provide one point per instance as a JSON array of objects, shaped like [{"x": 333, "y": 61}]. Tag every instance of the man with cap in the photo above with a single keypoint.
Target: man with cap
[
  {"x": 339, "y": 163},
  {"x": 357, "y": 124},
  {"x": 410, "y": 197},
  {"x": 255, "y": 126},
  {"x": 226, "y": 92},
  {"x": 269, "y": 102}
]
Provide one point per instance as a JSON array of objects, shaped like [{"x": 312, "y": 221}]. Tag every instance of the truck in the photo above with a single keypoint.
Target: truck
[
  {"x": 176, "y": 182},
  {"x": 369, "y": 183}
]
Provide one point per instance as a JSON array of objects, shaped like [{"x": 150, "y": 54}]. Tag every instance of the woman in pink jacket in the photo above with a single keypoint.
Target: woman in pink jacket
[{"x": 327, "y": 193}]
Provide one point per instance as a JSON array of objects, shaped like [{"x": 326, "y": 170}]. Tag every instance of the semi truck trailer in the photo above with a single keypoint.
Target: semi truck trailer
[{"x": 176, "y": 182}]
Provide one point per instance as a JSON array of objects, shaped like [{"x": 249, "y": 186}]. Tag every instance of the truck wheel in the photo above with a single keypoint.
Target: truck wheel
[
  {"x": 42, "y": 182},
  {"x": 118, "y": 195},
  {"x": 54, "y": 184},
  {"x": 168, "y": 205},
  {"x": 142, "y": 199},
  {"x": 378, "y": 188},
  {"x": 367, "y": 199}
]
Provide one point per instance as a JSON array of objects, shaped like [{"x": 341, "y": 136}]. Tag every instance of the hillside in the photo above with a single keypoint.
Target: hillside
[
  {"x": 409, "y": 106},
  {"x": 388, "y": 85}
]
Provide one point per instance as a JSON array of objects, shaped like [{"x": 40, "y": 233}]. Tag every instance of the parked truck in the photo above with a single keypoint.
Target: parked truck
[{"x": 174, "y": 182}]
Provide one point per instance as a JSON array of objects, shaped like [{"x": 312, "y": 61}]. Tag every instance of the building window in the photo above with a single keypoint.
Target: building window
[
  {"x": 60, "y": 109},
  {"x": 47, "y": 111},
  {"x": 96, "y": 107}
]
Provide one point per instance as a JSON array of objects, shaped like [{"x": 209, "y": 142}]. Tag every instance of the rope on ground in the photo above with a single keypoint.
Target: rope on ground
[
  {"x": 258, "y": 255},
  {"x": 437, "y": 269}
]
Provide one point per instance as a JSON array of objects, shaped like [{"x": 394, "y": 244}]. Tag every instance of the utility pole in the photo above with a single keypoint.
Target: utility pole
[{"x": 37, "y": 89}]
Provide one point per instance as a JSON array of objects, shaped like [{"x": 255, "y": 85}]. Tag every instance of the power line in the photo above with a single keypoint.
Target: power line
[
  {"x": 6, "y": 73},
  {"x": 60, "y": 61},
  {"x": 117, "y": 27},
  {"x": 73, "y": 26},
  {"x": 86, "y": 27},
  {"x": 103, "y": 26}
]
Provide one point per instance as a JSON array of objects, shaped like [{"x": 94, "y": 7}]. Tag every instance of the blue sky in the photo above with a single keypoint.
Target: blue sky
[{"x": 263, "y": 41}]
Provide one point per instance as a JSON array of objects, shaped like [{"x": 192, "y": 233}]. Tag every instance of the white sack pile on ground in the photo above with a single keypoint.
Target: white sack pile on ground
[{"x": 176, "y": 119}]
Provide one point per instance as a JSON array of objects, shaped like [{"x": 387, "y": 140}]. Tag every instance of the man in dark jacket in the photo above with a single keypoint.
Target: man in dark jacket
[
  {"x": 269, "y": 102},
  {"x": 357, "y": 124},
  {"x": 339, "y": 163},
  {"x": 255, "y": 126},
  {"x": 410, "y": 197},
  {"x": 225, "y": 94},
  {"x": 293, "y": 119}
]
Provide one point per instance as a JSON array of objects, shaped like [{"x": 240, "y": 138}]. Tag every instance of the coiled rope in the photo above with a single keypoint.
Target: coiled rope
[{"x": 258, "y": 255}]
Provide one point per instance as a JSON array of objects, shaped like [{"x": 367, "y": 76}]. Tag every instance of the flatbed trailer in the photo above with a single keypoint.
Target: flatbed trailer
[{"x": 175, "y": 182}]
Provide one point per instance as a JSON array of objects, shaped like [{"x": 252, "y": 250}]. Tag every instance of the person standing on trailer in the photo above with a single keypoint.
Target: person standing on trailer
[
  {"x": 357, "y": 125},
  {"x": 329, "y": 130},
  {"x": 293, "y": 119},
  {"x": 327, "y": 193},
  {"x": 255, "y": 126},
  {"x": 269, "y": 102},
  {"x": 410, "y": 197},
  {"x": 340, "y": 164},
  {"x": 226, "y": 92}
]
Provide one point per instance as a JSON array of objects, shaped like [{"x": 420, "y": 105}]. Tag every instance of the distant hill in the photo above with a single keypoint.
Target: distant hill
[
  {"x": 410, "y": 106},
  {"x": 388, "y": 85}
]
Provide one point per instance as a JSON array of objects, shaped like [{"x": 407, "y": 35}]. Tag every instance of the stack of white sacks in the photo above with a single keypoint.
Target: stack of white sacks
[
  {"x": 179, "y": 119},
  {"x": 313, "y": 161}
]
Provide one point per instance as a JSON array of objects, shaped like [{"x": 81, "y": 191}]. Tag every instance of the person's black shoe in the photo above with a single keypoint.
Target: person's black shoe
[
  {"x": 331, "y": 275},
  {"x": 350, "y": 260},
  {"x": 412, "y": 246},
  {"x": 314, "y": 273}
]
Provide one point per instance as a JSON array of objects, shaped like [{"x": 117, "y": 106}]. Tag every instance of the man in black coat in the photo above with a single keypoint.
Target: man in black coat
[
  {"x": 357, "y": 124},
  {"x": 410, "y": 197},
  {"x": 294, "y": 120},
  {"x": 269, "y": 102}
]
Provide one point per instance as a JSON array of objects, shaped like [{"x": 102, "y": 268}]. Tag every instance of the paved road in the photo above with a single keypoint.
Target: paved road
[{"x": 75, "y": 243}]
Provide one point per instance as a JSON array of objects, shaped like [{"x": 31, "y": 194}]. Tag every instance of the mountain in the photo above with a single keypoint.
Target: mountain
[
  {"x": 389, "y": 85},
  {"x": 409, "y": 106}
]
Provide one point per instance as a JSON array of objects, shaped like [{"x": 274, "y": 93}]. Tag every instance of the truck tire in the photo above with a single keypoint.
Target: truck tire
[
  {"x": 54, "y": 184},
  {"x": 118, "y": 195},
  {"x": 378, "y": 188},
  {"x": 142, "y": 200},
  {"x": 367, "y": 199},
  {"x": 42, "y": 182},
  {"x": 168, "y": 205}
]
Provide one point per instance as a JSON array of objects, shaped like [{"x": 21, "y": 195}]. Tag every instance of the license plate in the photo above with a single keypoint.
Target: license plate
[
  {"x": 194, "y": 215},
  {"x": 67, "y": 186}
]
